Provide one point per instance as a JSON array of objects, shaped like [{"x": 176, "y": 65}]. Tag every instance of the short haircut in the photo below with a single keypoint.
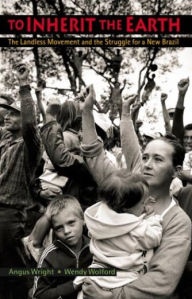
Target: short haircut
[
  {"x": 63, "y": 202},
  {"x": 178, "y": 149},
  {"x": 122, "y": 190},
  {"x": 188, "y": 127}
]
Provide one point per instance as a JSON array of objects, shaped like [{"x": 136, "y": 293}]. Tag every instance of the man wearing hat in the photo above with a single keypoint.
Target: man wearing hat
[
  {"x": 4, "y": 99},
  {"x": 20, "y": 150}
]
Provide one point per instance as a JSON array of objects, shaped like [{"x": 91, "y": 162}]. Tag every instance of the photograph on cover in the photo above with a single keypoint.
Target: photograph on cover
[{"x": 96, "y": 160}]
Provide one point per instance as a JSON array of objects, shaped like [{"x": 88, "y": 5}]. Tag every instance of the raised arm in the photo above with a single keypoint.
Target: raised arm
[
  {"x": 124, "y": 84},
  {"x": 88, "y": 123},
  {"x": 64, "y": 162},
  {"x": 129, "y": 140},
  {"x": 29, "y": 126},
  {"x": 135, "y": 112},
  {"x": 92, "y": 147},
  {"x": 38, "y": 93},
  {"x": 178, "y": 127},
  {"x": 166, "y": 116}
]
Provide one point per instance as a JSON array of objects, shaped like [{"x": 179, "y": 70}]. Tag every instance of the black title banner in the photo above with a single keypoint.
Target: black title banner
[{"x": 118, "y": 24}]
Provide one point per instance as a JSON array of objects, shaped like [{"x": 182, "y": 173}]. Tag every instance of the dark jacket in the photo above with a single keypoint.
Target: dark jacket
[
  {"x": 60, "y": 256},
  {"x": 81, "y": 183}
]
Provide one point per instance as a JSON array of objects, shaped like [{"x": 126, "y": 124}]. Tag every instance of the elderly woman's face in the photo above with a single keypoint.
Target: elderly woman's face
[{"x": 157, "y": 163}]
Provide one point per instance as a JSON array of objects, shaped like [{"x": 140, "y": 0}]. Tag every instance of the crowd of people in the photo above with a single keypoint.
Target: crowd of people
[{"x": 72, "y": 198}]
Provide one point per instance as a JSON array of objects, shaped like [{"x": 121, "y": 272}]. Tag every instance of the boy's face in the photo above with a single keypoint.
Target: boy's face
[{"x": 68, "y": 228}]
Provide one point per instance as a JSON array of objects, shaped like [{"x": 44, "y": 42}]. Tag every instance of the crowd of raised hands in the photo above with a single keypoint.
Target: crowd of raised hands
[{"x": 71, "y": 157}]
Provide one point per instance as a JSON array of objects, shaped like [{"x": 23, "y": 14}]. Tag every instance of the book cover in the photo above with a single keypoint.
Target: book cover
[{"x": 122, "y": 48}]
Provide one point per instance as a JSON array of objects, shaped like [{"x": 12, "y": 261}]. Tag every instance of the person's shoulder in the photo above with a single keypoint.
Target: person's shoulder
[
  {"x": 178, "y": 212},
  {"x": 182, "y": 213},
  {"x": 185, "y": 200},
  {"x": 55, "y": 255},
  {"x": 47, "y": 254},
  {"x": 71, "y": 138},
  {"x": 185, "y": 192},
  {"x": 4, "y": 134},
  {"x": 177, "y": 219}
]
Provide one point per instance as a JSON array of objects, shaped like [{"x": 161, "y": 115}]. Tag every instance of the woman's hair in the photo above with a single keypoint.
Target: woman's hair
[
  {"x": 67, "y": 117},
  {"x": 178, "y": 149},
  {"x": 122, "y": 190},
  {"x": 64, "y": 202}
]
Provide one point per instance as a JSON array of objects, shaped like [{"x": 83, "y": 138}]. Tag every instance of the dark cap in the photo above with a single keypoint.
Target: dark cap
[
  {"x": 8, "y": 98},
  {"x": 15, "y": 107}
]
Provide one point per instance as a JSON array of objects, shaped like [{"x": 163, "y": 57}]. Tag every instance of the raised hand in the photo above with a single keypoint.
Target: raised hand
[
  {"x": 136, "y": 106},
  {"x": 164, "y": 96},
  {"x": 90, "y": 98},
  {"x": 22, "y": 73},
  {"x": 128, "y": 101},
  {"x": 183, "y": 86},
  {"x": 48, "y": 194}
]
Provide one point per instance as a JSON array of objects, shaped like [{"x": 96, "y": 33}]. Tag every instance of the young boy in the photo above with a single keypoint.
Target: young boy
[{"x": 69, "y": 250}]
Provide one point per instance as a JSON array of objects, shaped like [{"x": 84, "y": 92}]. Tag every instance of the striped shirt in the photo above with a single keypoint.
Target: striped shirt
[{"x": 19, "y": 157}]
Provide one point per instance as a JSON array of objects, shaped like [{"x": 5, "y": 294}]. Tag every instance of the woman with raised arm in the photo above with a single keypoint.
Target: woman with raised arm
[{"x": 158, "y": 164}]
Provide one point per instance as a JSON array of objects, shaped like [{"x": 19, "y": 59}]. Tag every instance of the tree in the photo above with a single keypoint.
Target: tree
[{"x": 110, "y": 63}]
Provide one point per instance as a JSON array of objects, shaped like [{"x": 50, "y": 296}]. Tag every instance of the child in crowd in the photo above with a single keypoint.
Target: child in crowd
[
  {"x": 69, "y": 250},
  {"x": 123, "y": 229},
  {"x": 53, "y": 183}
]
